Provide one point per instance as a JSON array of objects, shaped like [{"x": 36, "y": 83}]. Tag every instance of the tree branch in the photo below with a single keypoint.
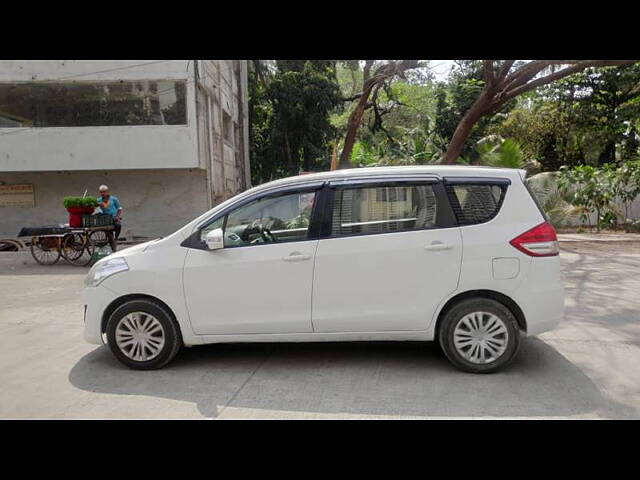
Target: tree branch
[
  {"x": 489, "y": 77},
  {"x": 367, "y": 69},
  {"x": 504, "y": 70},
  {"x": 577, "y": 67},
  {"x": 352, "y": 97},
  {"x": 498, "y": 90},
  {"x": 371, "y": 85}
]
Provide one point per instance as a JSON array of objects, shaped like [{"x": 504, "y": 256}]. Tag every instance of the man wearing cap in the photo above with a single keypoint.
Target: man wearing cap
[{"x": 109, "y": 204}]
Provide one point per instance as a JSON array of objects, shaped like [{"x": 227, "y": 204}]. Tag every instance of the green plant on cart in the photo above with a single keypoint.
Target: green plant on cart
[{"x": 88, "y": 202}]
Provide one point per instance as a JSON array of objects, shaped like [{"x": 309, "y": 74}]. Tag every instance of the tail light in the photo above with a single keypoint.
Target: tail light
[{"x": 540, "y": 241}]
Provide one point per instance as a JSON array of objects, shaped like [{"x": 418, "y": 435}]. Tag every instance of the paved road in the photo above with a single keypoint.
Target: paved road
[{"x": 587, "y": 368}]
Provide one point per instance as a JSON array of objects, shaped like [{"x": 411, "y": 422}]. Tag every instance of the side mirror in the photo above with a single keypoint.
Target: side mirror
[{"x": 215, "y": 239}]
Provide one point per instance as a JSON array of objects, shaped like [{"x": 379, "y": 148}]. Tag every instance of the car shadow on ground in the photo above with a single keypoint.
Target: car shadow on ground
[{"x": 407, "y": 379}]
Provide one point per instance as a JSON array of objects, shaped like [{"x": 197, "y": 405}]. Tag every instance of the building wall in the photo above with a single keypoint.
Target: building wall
[
  {"x": 155, "y": 202},
  {"x": 164, "y": 175},
  {"x": 221, "y": 110},
  {"x": 108, "y": 147}
]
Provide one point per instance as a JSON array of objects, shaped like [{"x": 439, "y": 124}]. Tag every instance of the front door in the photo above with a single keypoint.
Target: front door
[
  {"x": 387, "y": 264},
  {"x": 260, "y": 282}
]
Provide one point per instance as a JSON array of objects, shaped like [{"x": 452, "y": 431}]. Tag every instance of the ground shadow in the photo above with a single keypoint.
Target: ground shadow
[{"x": 412, "y": 379}]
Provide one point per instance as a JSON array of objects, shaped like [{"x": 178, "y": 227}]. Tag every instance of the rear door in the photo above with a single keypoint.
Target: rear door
[{"x": 390, "y": 255}]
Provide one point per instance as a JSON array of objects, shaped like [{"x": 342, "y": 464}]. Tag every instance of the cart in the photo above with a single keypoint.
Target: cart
[{"x": 75, "y": 244}]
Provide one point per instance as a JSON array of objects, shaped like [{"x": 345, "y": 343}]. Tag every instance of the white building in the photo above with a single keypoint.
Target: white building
[{"x": 169, "y": 137}]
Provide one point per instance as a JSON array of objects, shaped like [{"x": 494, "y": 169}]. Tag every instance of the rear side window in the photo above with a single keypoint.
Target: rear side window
[
  {"x": 475, "y": 203},
  {"x": 383, "y": 209}
]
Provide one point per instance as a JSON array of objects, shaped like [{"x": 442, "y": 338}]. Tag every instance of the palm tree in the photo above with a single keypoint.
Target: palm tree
[
  {"x": 551, "y": 200},
  {"x": 496, "y": 152}
]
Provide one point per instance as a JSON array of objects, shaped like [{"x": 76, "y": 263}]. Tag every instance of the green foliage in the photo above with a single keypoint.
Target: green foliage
[
  {"x": 554, "y": 203},
  {"x": 543, "y": 132},
  {"x": 495, "y": 152},
  {"x": 289, "y": 114},
  {"x": 591, "y": 189},
  {"x": 399, "y": 129},
  {"x": 455, "y": 97},
  {"x": 595, "y": 189},
  {"x": 625, "y": 183},
  {"x": 604, "y": 104},
  {"x": 587, "y": 118},
  {"x": 88, "y": 202},
  {"x": 299, "y": 112},
  {"x": 363, "y": 155}
]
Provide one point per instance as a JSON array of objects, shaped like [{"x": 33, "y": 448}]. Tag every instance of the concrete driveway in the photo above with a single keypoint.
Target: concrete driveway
[{"x": 587, "y": 368}]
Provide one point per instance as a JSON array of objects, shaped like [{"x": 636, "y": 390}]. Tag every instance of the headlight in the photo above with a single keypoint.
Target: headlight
[{"x": 105, "y": 269}]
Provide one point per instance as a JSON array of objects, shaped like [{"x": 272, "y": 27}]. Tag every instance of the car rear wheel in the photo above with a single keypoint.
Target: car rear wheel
[
  {"x": 143, "y": 335},
  {"x": 479, "y": 335}
]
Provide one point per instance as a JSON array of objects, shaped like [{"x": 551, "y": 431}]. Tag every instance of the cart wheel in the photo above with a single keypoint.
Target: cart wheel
[
  {"x": 99, "y": 238},
  {"x": 77, "y": 249},
  {"x": 45, "y": 250}
]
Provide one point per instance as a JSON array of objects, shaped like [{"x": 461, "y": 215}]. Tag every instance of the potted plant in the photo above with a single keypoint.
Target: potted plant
[{"x": 78, "y": 206}]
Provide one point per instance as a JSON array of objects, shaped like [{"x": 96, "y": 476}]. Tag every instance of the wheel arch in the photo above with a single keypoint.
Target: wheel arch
[
  {"x": 134, "y": 296},
  {"x": 505, "y": 300}
]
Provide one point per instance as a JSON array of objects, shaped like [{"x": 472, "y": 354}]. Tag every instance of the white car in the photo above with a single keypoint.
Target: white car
[{"x": 463, "y": 255}]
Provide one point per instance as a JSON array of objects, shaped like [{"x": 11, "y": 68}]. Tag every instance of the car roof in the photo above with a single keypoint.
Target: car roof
[{"x": 418, "y": 170}]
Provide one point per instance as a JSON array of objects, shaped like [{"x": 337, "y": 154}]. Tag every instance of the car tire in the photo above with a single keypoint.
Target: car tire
[
  {"x": 143, "y": 335},
  {"x": 479, "y": 335}
]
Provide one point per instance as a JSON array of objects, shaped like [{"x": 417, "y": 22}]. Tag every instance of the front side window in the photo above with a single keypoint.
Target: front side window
[
  {"x": 383, "y": 209},
  {"x": 88, "y": 104},
  {"x": 270, "y": 219}
]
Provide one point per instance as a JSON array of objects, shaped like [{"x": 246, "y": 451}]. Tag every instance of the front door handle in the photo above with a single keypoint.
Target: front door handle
[
  {"x": 296, "y": 257},
  {"x": 438, "y": 246}
]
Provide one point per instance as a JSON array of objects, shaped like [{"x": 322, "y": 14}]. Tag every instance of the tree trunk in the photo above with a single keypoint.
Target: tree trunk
[
  {"x": 287, "y": 148},
  {"x": 352, "y": 128},
  {"x": 369, "y": 83},
  {"x": 460, "y": 135}
]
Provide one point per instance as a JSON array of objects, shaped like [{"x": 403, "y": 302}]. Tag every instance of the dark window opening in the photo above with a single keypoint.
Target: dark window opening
[
  {"x": 84, "y": 104},
  {"x": 473, "y": 204},
  {"x": 227, "y": 127},
  {"x": 383, "y": 209}
]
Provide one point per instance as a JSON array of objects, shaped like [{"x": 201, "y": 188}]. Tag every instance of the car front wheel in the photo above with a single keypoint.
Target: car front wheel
[
  {"x": 479, "y": 335},
  {"x": 143, "y": 335}
]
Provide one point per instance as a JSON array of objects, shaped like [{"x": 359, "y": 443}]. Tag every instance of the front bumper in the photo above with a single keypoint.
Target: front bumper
[{"x": 96, "y": 300}]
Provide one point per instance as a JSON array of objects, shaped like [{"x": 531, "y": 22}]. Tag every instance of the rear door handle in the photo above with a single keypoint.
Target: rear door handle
[
  {"x": 438, "y": 246},
  {"x": 296, "y": 257}
]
